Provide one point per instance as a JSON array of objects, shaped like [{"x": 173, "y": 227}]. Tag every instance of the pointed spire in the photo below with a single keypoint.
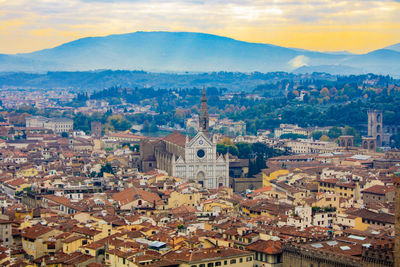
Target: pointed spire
[{"x": 203, "y": 97}]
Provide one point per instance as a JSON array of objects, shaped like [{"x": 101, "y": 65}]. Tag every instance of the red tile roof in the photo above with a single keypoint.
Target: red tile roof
[
  {"x": 35, "y": 231},
  {"x": 130, "y": 194},
  {"x": 378, "y": 189},
  {"x": 176, "y": 138},
  {"x": 269, "y": 247}
]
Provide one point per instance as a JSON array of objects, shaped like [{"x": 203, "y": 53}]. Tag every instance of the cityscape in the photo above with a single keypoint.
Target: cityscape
[{"x": 199, "y": 141}]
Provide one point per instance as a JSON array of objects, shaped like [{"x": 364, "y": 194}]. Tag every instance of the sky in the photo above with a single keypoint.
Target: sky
[{"x": 358, "y": 26}]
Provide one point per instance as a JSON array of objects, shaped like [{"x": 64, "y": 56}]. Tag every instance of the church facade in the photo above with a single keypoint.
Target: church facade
[
  {"x": 202, "y": 164},
  {"x": 194, "y": 159}
]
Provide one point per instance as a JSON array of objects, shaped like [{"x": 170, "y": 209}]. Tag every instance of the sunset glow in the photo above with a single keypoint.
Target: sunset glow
[{"x": 354, "y": 25}]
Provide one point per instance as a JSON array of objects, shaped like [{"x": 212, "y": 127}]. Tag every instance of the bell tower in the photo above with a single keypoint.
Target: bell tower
[{"x": 204, "y": 120}]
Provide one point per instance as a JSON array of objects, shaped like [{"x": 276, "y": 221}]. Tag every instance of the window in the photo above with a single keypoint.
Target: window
[
  {"x": 210, "y": 264},
  {"x": 233, "y": 261},
  {"x": 201, "y": 153},
  {"x": 218, "y": 263},
  {"x": 225, "y": 262},
  {"x": 249, "y": 259},
  {"x": 202, "y": 265},
  {"x": 241, "y": 260}
]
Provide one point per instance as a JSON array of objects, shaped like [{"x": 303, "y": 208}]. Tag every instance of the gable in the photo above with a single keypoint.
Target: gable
[{"x": 200, "y": 140}]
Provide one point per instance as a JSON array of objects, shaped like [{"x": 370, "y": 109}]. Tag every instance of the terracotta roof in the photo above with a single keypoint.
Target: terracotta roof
[
  {"x": 176, "y": 138},
  {"x": 264, "y": 189},
  {"x": 378, "y": 189},
  {"x": 130, "y": 194},
  {"x": 373, "y": 216},
  {"x": 192, "y": 256},
  {"x": 35, "y": 231},
  {"x": 269, "y": 247}
]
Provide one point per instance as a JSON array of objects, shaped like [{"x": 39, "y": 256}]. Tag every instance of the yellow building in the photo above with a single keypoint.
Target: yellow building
[
  {"x": 178, "y": 199},
  {"x": 217, "y": 205},
  {"x": 73, "y": 243},
  {"x": 28, "y": 172},
  {"x": 341, "y": 189},
  {"x": 20, "y": 214},
  {"x": 38, "y": 240},
  {"x": 268, "y": 176}
]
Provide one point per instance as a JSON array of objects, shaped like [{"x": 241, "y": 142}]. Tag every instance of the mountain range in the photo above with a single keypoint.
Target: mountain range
[{"x": 195, "y": 52}]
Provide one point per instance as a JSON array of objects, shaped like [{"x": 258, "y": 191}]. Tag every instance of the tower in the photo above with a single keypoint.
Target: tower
[
  {"x": 369, "y": 143},
  {"x": 96, "y": 128},
  {"x": 375, "y": 127},
  {"x": 346, "y": 141},
  {"x": 204, "y": 126}
]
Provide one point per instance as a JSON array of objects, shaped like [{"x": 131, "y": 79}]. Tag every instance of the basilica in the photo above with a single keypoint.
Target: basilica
[{"x": 193, "y": 159}]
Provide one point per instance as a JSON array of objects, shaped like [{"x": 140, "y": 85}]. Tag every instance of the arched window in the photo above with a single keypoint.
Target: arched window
[{"x": 378, "y": 118}]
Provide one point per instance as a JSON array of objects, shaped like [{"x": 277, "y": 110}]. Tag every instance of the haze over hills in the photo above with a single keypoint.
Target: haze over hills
[
  {"x": 195, "y": 52},
  {"x": 395, "y": 47}
]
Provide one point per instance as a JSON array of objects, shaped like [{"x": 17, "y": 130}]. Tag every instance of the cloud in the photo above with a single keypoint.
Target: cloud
[{"x": 299, "y": 61}]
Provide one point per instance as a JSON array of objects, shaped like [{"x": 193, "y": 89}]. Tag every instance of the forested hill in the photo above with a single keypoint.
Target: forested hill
[{"x": 97, "y": 80}]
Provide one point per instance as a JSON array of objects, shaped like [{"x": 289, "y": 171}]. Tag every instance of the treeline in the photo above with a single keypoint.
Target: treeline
[{"x": 257, "y": 153}]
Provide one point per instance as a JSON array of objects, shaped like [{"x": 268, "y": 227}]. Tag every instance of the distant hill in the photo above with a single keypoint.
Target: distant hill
[
  {"x": 395, "y": 47},
  {"x": 196, "y": 52}
]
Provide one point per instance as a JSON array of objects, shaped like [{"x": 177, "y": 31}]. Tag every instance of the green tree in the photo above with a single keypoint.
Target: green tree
[
  {"x": 317, "y": 135},
  {"x": 293, "y": 136},
  {"x": 335, "y": 132},
  {"x": 106, "y": 169},
  {"x": 244, "y": 150}
]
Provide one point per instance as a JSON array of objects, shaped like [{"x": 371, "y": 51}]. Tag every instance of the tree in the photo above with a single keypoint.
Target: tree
[
  {"x": 334, "y": 132},
  {"x": 244, "y": 150},
  {"x": 395, "y": 141},
  {"x": 106, "y": 169},
  {"x": 222, "y": 149},
  {"x": 317, "y": 135},
  {"x": 324, "y": 138},
  {"x": 324, "y": 92},
  {"x": 293, "y": 136},
  {"x": 146, "y": 127}
]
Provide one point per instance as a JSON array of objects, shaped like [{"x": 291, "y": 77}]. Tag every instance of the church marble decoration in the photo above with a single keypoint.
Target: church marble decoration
[{"x": 201, "y": 162}]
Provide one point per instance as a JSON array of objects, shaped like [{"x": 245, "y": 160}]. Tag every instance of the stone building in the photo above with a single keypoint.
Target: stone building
[
  {"x": 346, "y": 141},
  {"x": 58, "y": 125},
  {"x": 375, "y": 125},
  {"x": 369, "y": 143},
  {"x": 378, "y": 194},
  {"x": 380, "y": 132},
  {"x": 95, "y": 127},
  {"x": 189, "y": 158},
  {"x": 341, "y": 251}
]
